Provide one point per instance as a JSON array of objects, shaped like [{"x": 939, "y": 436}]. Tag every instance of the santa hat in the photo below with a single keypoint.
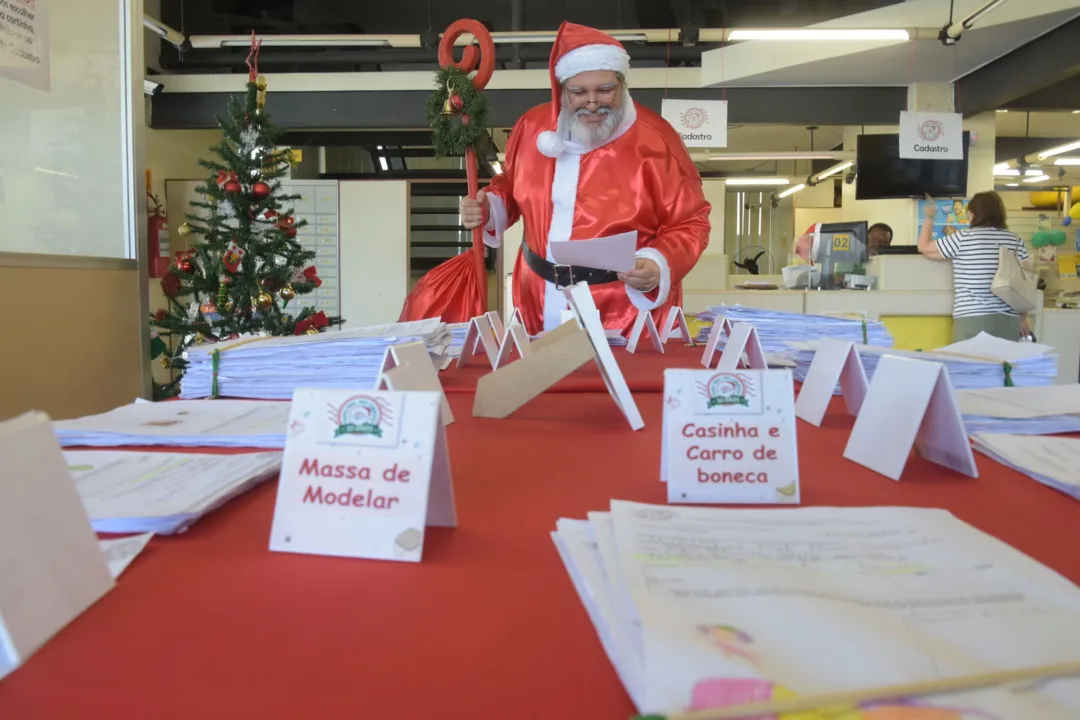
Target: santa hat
[{"x": 577, "y": 49}]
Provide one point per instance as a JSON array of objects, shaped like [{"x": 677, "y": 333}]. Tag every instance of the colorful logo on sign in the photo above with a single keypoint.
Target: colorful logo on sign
[
  {"x": 361, "y": 415},
  {"x": 693, "y": 118},
  {"x": 931, "y": 130},
  {"x": 727, "y": 389}
]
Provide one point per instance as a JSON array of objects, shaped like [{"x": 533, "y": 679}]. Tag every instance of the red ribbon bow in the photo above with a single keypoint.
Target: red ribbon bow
[
  {"x": 224, "y": 176},
  {"x": 317, "y": 321},
  {"x": 308, "y": 274}
]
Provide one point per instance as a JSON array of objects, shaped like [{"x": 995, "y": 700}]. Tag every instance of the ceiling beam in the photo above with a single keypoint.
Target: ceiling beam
[
  {"x": 344, "y": 110},
  {"x": 1064, "y": 95},
  {"x": 1043, "y": 62}
]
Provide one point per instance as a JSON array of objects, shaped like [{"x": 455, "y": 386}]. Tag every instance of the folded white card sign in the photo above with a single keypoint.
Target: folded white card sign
[
  {"x": 910, "y": 403},
  {"x": 515, "y": 339},
  {"x": 408, "y": 368},
  {"x": 496, "y": 324},
  {"x": 584, "y": 307},
  {"x": 743, "y": 348},
  {"x": 364, "y": 472},
  {"x": 834, "y": 361},
  {"x": 480, "y": 333},
  {"x": 721, "y": 327},
  {"x": 515, "y": 317},
  {"x": 51, "y": 566},
  {"x": 676, "y": 318},
  {"x": 645, "y": 322},
  {"x": 729, "y": 437}
]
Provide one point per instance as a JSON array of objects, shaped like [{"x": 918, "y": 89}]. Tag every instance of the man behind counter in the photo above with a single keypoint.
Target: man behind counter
[{"x": 879, "y": 236}]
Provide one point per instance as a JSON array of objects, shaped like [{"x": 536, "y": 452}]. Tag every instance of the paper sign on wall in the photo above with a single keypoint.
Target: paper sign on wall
[
  {"x": 910, "y": 403},
  {"x": 362, "y": 475},
  {"x": 931, "y": 136},
  {"x": 834, "y": 361},
  {"x": 700, "y": 123},
  {"x": 729, "y": 437}
]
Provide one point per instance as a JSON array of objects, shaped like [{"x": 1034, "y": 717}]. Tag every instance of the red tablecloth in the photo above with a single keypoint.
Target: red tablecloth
[
  {"x": 643, "y": 370},
  {"x": 212, "y": 625}
]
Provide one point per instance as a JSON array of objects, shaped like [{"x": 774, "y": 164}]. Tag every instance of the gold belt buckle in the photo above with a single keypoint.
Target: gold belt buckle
[{"x": 569, "y": 270}]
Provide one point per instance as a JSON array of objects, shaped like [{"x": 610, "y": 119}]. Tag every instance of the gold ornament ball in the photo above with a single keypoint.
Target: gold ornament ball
[
  {"x": 184, "y": 230},
  {"x": 312, "y": 331},
  {"x": 287, "y": 293},
  {"x": 229, "y": 306},
  {"x": 164, "y": 360},
  {"x": 264, "y": 301}
]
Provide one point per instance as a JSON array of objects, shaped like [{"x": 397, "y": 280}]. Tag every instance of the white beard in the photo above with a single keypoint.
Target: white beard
[{"x": 591, "y": 135}]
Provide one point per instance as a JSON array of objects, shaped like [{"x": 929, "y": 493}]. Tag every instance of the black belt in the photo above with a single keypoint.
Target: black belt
[{"x": 566, "y": 275}]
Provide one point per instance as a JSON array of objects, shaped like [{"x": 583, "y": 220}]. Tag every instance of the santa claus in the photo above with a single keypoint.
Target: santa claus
[{"x": 589, "y": 164}]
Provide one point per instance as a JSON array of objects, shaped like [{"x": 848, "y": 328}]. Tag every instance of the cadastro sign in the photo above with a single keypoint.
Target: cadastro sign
[
  {"x": 931, "y": 136},
  {"x": 700, "y": 123}
]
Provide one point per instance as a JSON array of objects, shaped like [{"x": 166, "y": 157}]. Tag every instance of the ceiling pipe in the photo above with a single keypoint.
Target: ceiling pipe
[
  {"x": 517, "y": 24},
  {"x": 196, "y": 60}
]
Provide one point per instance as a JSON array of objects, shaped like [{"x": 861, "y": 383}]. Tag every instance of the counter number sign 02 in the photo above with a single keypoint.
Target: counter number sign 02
[{"x": 841, "y": 242}]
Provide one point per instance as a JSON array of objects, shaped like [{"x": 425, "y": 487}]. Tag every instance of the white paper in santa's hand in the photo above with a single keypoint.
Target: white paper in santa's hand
[
  {"x": 834, "y": 361},
  {"x": 910, "y": 403},
  {"x": 729, "y": 437},
  {"x": 362, "y": 475},
  {"x": 615, "y": 252},
  {"x": 742, "y": 341}
]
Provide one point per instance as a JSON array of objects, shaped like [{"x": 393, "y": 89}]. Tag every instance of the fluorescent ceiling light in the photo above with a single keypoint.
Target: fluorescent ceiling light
[
  {"x": 756, "y": 181},
  {"x": 292, "y": 41},
  {"x": 1037, "y": 178},
  {"x": 1013, "y": 172},
  {"x": 1001, "y": 110},
  {"x": 512, "y": 38},
  {"x": 1076, "y": 112},
  {"x": 1067, "y": 161},
  {"x": 1001, "y": 168},
  {"x": 1012, "y": 184},
  {"x": 791, "y": 191},
  {"x": 840, "y": 167},
  {"x": 819, "y": 34},
  {"x": 382, "y": 163},
  {"x": 1068, "y": 147},
  {"x": 772, "y": 156}
]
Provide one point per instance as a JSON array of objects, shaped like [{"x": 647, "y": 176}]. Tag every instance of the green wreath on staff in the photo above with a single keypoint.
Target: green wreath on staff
[{"x": 450, "y": 136}]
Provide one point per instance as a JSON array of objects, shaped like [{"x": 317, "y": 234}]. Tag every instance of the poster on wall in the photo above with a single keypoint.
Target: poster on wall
[
  {"x": 700, "y": 123},
  {"x": 931, "y": 136},
  {"x": 949, "y": 216},
  {"x": 24, "y": 42}
]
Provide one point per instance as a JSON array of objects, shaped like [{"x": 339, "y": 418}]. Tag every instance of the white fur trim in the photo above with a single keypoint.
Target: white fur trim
[
  {"x": 637, "y": 298},
  {"x": 563, "y": 200},
  {"x": 592, "y": 57},
  {"x": 496, "y": 224},
  {"x": 549, "y": 144}
]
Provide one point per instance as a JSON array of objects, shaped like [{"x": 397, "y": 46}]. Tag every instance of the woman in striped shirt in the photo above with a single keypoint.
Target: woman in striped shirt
[{"x": 974, "y": 254}]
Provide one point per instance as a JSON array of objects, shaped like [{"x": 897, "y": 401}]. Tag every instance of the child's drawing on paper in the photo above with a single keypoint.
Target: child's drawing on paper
[
  {"x": 731, "y": 641},
  {"x": 723, "y": 692}
]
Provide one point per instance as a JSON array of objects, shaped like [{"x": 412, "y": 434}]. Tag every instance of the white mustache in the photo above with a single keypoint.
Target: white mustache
[{"x": 584, "y": 112}]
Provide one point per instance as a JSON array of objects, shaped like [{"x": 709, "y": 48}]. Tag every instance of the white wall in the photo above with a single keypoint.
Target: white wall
[{"x": 374, "y": 224}]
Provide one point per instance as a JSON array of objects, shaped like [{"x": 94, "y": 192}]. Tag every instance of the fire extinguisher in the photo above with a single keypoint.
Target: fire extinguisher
[{"x": 157, "y": 238}]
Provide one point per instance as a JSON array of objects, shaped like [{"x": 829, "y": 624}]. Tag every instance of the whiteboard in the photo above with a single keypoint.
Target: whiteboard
[{"x": 62, "y": 174}]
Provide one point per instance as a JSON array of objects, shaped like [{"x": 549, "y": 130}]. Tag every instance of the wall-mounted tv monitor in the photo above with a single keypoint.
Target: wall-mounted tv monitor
[{"x": 882, "y": 174}]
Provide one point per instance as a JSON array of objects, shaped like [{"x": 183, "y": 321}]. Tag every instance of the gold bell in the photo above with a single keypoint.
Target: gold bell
[{"x": 448, "y": 107}]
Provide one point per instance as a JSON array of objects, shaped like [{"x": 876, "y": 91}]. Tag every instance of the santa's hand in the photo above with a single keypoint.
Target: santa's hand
[
  {"x": 644, "y": 277},
  {"x": 472, "y": 211}
]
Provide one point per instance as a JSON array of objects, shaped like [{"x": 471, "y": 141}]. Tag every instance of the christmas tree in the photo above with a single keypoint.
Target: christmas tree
[{"x": 244, "y": 265}]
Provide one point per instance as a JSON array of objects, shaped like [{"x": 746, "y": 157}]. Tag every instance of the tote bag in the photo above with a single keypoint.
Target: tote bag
[{"x": 1016, "y": 286}]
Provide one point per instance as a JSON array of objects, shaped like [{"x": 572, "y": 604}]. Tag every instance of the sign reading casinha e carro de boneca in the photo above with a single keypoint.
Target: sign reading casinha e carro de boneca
[
  {"x": 700, "y": 123},
  {"x": 931, "y": 136}
]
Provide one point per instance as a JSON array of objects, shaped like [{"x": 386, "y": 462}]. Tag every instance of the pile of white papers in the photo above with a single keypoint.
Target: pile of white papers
[
  {"x": 138, "y": 492},
  {"x": 981, "y": 362},
  {"x": 181, "y": 423},
  {"x": 1053, "y": 461},
  {"x": 1044, "y": 410},
  {"x": 777, "y": 329},
  {"x": 706, "y": 607},
  {"x": 271, "y": 368},
  {"x": 457, "y": 338}
]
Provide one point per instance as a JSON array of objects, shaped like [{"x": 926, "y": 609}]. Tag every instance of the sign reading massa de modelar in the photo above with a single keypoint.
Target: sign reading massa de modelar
[
  {"x": 700, "y": 123},
  {"x": 931, "y": 136}
]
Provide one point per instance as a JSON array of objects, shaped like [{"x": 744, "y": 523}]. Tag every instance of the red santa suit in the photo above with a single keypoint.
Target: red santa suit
[{"x": 640, "y": 179}]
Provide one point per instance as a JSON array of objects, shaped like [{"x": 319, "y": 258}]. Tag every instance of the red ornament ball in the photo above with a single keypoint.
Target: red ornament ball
[
  {"x": 289, "y": 230},
  {"x": 260, "y": 190},
  {"x": 170, "y": 284},
  {"x": 268, "y": 284},
  {"x": 232, "y": 187},
  {"x": 185, "y": 266},
  {"x": 457, "y": 103}
]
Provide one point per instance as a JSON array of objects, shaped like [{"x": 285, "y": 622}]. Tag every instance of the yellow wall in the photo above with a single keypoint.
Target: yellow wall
[{"x": 72, "y": 351}]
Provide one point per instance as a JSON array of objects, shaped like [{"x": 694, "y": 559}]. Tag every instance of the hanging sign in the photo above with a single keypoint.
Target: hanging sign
[
  {"x": 700, "y": 123},
  {"x": 931, "y": 136}
]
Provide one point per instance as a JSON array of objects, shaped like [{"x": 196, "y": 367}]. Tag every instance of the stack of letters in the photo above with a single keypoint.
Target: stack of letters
[{"x": 777, "y": 329}]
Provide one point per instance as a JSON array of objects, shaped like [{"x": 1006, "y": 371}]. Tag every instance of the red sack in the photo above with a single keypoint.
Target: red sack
[{"x": 449, "y": 291}]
